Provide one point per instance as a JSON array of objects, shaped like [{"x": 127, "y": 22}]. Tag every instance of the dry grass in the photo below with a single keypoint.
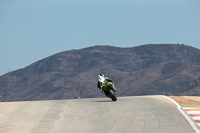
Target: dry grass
[{"x": 189, "y": 100}]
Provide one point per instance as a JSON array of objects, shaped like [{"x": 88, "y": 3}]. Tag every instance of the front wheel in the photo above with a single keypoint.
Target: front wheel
[{"x": 112, "y": 95}]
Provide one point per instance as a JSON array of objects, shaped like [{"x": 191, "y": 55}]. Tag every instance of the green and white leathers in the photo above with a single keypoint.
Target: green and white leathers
[
  {"x": 107, "y": 87},
  {"x": 102, "y": 79}
]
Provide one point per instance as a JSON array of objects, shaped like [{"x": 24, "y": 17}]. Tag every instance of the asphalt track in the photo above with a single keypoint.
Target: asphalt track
[{"x": 138, "y": 114}]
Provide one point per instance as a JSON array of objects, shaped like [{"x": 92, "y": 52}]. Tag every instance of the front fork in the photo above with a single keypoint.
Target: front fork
[{"x": 114, "y": 88}]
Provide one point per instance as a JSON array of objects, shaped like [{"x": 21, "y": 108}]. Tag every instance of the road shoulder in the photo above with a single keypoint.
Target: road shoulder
[{"x": 187, "y": 101}]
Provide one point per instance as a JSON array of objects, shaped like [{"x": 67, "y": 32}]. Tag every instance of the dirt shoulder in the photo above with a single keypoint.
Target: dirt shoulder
[{"x": 189, "y": 100}]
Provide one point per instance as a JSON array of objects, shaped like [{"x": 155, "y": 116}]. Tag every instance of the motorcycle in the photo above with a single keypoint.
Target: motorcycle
[{"x": 109, "y": 90}]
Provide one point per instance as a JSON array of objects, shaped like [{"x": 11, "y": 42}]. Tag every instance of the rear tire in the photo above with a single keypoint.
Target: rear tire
[{"x": 112, "y": 95}]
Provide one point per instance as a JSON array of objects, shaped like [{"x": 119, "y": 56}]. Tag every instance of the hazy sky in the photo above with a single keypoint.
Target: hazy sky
[{"x": 31, "y": 30}]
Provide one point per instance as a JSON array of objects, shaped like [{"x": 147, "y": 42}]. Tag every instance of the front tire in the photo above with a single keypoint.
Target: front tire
[{"x": 112, "y": 95}]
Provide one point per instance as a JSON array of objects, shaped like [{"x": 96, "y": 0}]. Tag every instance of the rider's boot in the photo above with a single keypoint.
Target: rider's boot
[{"x": 102, "y": 90}]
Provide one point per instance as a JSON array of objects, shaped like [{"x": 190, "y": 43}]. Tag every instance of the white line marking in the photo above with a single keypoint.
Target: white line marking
[
  {"x": 196, "y": 118},
  {"x": 193, "y": 112},
  {"x": 189, "y": 108},
  {"x": 184, "y": 114}
]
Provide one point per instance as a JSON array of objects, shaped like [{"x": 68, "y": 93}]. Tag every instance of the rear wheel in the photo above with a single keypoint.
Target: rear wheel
[{"x": 112, "y": 95}]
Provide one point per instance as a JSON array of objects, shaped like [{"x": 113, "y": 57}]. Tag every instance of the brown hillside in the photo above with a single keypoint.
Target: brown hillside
[{"x": 171, "y": 69}]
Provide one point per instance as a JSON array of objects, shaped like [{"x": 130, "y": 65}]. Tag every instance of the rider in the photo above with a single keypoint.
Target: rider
[{"x": 101, "y": 82}]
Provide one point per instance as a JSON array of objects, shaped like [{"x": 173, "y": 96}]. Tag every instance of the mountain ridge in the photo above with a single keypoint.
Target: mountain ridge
[{"x": 143, "y": 70}]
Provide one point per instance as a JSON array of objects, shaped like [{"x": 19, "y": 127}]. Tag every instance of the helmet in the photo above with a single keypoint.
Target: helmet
[{"x": 101, "y": 74}]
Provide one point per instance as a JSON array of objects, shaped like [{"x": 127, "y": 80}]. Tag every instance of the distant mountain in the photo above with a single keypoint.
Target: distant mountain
[{"x": 171, "y": 69}]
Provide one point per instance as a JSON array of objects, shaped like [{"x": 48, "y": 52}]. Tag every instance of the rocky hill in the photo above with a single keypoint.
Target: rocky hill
[{"x": 171, "y": 69}]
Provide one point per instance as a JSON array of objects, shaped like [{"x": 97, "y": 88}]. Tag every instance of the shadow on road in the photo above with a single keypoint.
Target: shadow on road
[{"x": 104, "y": 101}]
